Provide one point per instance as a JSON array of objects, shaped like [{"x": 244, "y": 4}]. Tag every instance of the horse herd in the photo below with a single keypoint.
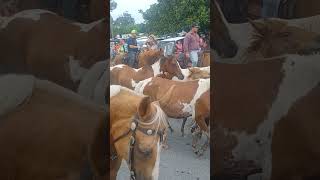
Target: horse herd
[
  {"x": 266, "y": 93},
  {"x": 54, "y": 84},
  {"x": 141, "y": 100}
]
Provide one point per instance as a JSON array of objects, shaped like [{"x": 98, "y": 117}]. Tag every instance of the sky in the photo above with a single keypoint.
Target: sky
[{"x": 132, "y": 6}]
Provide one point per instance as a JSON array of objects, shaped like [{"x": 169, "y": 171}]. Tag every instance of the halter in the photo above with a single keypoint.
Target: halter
[{"x": 134, "y": 127}]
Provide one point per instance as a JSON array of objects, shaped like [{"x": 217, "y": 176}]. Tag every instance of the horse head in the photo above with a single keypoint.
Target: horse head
[
  {"x": 170, "y": 64},
  {"x": 272, "y": 37}
]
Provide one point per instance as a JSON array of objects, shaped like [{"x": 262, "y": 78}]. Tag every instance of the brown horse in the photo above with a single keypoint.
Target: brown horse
[
  {"x": 41, "y": 43},
  {"x": 128, "y": 77},
  {"x": 135, "y": 118},
  {"x": 182, "y": 102},
  {"x": 49, "y": 132},
  {"x": 263, "y": 118},
  {"x": 118, "y": 59},
  {"x": 274, "y": 38},
  {"x": 205, "y": 59},
  {"x": 241, "y": 34},
  {"x": 201, "y": 118},
  {"x": 149, "y": 57}
]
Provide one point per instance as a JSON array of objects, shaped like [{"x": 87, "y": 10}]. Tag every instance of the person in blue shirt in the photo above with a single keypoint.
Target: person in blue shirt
[{"x": 132, "y": 48}]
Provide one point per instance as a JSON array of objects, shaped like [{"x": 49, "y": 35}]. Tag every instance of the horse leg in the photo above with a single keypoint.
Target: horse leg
[
  {"x": 169, "y": 126},
  {"x": 196, "y": 135},
  {"x": 182, "y": 126}
]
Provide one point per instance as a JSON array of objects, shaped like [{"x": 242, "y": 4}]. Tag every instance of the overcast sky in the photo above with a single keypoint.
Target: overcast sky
[{"x": 132, "y": 6}]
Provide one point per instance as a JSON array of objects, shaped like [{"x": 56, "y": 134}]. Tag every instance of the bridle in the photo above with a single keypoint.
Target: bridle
[{"x": 134, "y": 127}]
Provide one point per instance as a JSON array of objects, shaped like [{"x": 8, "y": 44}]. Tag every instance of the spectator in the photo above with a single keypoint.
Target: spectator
[
  {"x": 191, "y": 45},
  {"x": 132, "y": 48}
]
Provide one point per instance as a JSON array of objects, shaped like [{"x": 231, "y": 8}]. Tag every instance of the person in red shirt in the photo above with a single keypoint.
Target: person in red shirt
[{"x": 191, "y": 44}]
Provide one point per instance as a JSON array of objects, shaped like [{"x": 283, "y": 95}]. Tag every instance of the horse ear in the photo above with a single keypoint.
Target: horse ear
[
  {"x": 259, "y": 27},
  {"x": 144, "y": 106}
]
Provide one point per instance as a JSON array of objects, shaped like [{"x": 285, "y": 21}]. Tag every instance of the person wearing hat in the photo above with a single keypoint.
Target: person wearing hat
[
  {"x": 191, "y": 45},
  {"x": 132, "y": 48}
]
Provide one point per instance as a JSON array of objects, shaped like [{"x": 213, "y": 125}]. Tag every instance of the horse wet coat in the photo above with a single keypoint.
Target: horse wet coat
[
  {"x": 49, "y": 132},
  {"x": 266, "y": 118}
]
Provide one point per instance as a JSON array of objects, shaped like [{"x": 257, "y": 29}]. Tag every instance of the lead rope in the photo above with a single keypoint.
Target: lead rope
[{"x": 131, "y": 147}]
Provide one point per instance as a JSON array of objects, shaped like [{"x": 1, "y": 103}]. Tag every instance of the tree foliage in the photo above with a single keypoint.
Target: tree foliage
[
  {"x": 168, "y": 16},
  {"x": 123, "y": 24}
]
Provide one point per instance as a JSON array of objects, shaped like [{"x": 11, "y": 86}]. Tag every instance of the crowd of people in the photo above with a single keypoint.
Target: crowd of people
[{"x": 187, "y": 50}]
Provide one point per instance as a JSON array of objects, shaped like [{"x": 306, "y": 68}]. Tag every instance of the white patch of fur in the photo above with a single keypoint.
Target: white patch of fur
[
  {"x": 33, "y": 14},
  {"x": 14, "y": 90},
  {"x": 155, "y": 171},
  {"x": 141, "y": 85},
  {"x": 133, "y": 83},
  {"x": 156, "y": 68},
  {"x": 115, "y": 89},
  {"x": 117, "y": 66},
  {"x": 76, "y": 71},
  {"x": 299, "y": 79},
  {"x": 87, "y": 27},
  {"x": 90, "y": 80},
  {"x": 187, "y": 108},
  {"x": 203, "y": 86}
]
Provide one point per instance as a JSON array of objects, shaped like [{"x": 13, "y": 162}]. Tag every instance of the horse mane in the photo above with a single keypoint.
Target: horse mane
[{"x": 261, "y": 35}]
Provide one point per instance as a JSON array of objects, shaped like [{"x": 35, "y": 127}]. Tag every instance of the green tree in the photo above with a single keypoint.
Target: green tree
[
  {"x": 123, "y": 24},
  {"x": 170, "y": 16}
]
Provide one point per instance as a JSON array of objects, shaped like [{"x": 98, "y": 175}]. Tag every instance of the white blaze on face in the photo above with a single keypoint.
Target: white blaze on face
[
  {"x": 155, "y": 171},
  {"x": 156, "y": 68},
  {"x": 33, "y": 14},
  {"x": 301, "y": 75}
]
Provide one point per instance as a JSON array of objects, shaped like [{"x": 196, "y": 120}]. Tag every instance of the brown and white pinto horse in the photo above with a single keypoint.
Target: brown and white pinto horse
[
  {"x": 149, "y": 57},
  {"x": 266, "y": 118},
  {"x": 128, "y": 77},
  {"x": 185, "y": 94},
  {"x": 273, "y": 37},
  {"x": 49, "y": 132},
  {"x": 136, "y": 119},
  {"x": 230, "y": 41},
  {"x": 40, "y": 42},
  {"x": 205, "y": 59}
]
